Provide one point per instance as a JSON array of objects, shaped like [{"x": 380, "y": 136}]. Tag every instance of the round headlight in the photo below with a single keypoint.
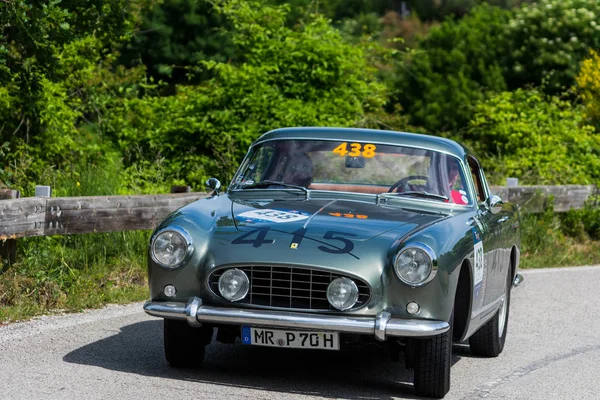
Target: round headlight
[
  {"x": 234, "y": 284},
  {"x": 342, "y": 293},
  {"x": 171, "y": 247},
  {"x": 414, "y": 265}
]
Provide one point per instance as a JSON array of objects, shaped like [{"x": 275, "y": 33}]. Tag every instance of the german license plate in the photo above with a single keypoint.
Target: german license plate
[{"x": 290, "y": 339}]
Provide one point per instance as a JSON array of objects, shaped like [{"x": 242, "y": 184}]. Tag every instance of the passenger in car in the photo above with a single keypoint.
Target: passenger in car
[{"x": 457, "y": 192}]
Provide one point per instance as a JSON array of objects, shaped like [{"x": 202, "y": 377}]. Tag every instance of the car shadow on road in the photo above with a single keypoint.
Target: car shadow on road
[{"x": 356, "y": 373}]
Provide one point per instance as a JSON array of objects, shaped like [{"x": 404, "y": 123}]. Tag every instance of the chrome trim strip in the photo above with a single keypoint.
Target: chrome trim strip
[
  {"x": 166, "y": 309},
  {"x": 279, "y": 319},
  {"x": 493, "y": 306}
]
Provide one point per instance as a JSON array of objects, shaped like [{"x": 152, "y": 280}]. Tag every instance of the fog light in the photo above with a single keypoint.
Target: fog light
[
  {"x": 342, "y": 293},
  {"x": 170, "y": 291},
  {"x": 413, "y": 308},
  {"x": 234, "y": 284}
]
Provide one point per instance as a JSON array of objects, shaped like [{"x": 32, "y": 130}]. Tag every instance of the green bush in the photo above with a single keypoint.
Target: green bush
[
  {"x": 583, "y": 223},
  {"x": 540, "y": 232},
  {"x": 441, "y": 81},
  {"x": 539, "y": 139},
  {"x": 550, "y": 239}
]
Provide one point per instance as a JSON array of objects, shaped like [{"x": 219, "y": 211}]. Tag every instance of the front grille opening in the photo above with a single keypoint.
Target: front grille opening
[{"x": 294, "y": 288}]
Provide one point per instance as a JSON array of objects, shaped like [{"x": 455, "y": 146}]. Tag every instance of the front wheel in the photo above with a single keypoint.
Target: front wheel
[
  {"x": 184, "y": 345},
  {"x": 489, "y": 340},
  {"x": 433, "y": 361}
]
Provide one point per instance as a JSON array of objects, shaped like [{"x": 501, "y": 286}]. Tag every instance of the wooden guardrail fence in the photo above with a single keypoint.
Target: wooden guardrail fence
[
  {"x": 39, "y": 216},
  {"x": 533, "y": 199}
]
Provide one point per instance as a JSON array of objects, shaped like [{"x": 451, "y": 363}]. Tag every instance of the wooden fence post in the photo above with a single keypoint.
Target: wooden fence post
[{"x": 8, "y": 247}]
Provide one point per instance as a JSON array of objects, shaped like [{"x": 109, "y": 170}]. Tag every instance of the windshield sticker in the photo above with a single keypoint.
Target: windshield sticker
[
  {"x": 478, "y": 258},
  {"x": 356, "y": 149},
  {"x": 276, "y": 216}
]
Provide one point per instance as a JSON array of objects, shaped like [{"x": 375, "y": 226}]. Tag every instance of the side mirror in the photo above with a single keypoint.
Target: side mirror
[
  {"x": 213, "y": 184},
  {"x": 495, "y": 203}
]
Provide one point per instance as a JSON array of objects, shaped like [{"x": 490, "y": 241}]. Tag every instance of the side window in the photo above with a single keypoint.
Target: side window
[{"x": 476, "y": 175}]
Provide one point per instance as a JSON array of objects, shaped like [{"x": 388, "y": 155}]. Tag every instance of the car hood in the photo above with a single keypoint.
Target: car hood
[{"x": 363, "y": 220}]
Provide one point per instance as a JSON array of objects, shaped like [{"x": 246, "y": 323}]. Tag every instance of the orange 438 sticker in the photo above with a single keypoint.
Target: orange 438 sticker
[{"x": 356, "y": 149}]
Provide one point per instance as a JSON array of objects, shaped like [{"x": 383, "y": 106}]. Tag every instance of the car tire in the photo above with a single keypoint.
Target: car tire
[
  {"x": 185, "y": 345},
  {"x": 489, "y": 340},
  {"x": 432, "y": 364}
]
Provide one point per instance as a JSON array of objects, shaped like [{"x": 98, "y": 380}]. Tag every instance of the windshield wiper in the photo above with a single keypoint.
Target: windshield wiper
[
  {"x": 267, "y": 183},
  {"x": 418, "y": 193}
]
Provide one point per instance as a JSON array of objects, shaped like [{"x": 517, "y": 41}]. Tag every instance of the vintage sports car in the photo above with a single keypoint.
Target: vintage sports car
[{"x": 330, "y": 236}]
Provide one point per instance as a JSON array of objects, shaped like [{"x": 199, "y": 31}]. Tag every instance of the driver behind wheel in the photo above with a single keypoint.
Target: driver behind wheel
[{"x": 299, "y": 170}]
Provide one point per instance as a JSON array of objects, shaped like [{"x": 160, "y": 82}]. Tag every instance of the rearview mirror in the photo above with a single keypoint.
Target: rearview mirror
[{"x": 355, "y": 162}]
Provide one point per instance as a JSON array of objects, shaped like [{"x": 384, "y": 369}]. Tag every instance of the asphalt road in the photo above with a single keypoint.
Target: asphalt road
[{"x": 552, "y": 352}]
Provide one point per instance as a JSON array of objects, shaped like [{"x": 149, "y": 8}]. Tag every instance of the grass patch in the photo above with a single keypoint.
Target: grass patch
[
  {"x": 561, "y": 239},
  {"x": 76, "y": 272},
  {"x": 72, "y": 273},
  {"x": 565, "y": 254}
]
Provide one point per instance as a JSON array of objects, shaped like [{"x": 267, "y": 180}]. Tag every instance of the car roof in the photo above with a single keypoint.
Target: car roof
[{"x": 417, "y": 140}]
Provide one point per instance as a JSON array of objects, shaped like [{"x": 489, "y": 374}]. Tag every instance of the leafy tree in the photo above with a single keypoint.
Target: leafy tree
[
  {"x": 429, "y": 10},
  {"x": 443, "y": 79},
  {"x": 47, "y": 53},
  {"x": 307, "y": 75},
  {"x": 547, "y": 41},
  {"x": 175, "y": 35},
  {"x": 440, "y": 10},
  {"x": 539, "y": 139},
  {"x": 336, "y": 10}
]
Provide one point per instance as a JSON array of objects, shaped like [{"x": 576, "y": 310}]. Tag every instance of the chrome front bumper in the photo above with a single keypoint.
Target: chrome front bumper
[{"x": 382, "y": 326}]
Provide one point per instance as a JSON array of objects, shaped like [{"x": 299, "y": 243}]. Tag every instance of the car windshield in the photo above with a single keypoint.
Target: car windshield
[{"x": 358, "y": 167}]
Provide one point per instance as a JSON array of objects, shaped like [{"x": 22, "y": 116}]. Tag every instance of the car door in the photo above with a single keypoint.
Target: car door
[
  {"x": 502, "y": 219},
  {"x": 485, "y": 243}
]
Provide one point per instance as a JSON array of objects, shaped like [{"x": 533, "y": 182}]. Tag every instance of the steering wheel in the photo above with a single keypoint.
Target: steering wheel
[{"x": 402, "y": 184}]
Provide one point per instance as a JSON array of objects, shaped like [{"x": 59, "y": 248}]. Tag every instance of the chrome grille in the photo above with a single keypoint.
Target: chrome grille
[{"x": 295, "y": 288}]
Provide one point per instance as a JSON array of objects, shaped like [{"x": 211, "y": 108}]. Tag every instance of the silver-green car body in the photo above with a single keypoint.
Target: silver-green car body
[{"x": 345, "y": 232}]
